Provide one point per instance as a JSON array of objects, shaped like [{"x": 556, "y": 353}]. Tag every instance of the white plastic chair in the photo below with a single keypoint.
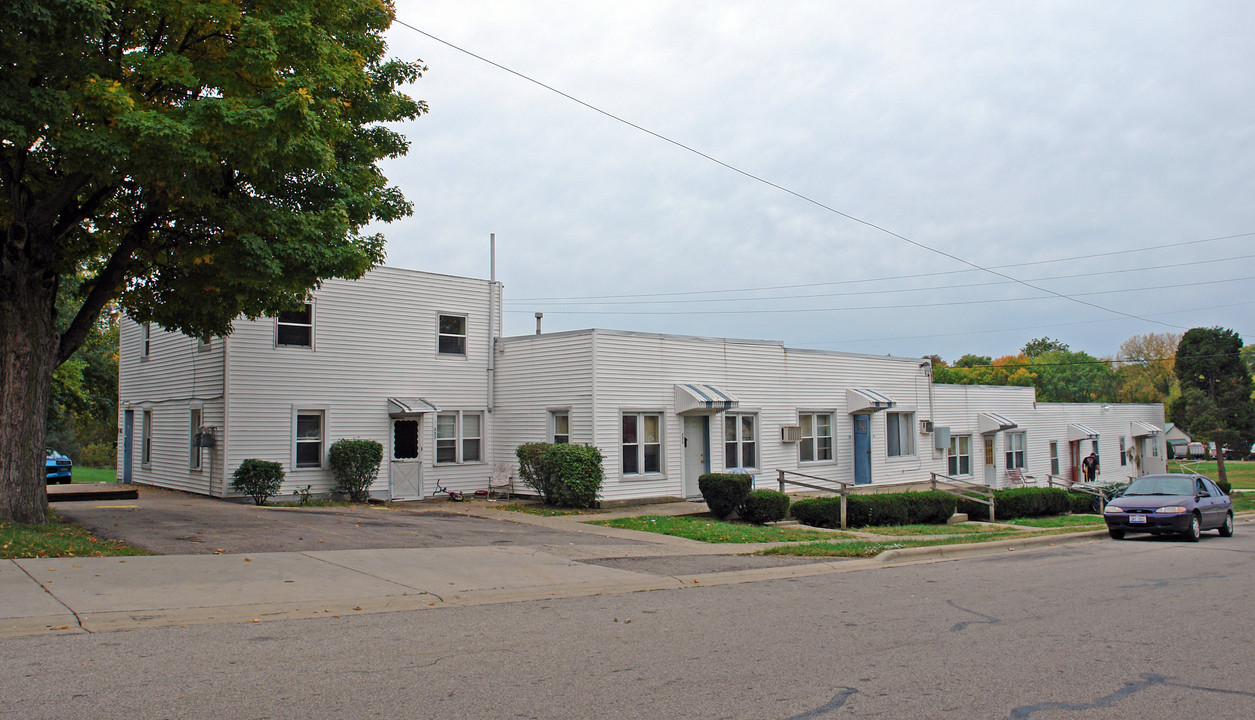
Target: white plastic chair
[{"x": 501, "y": 480}]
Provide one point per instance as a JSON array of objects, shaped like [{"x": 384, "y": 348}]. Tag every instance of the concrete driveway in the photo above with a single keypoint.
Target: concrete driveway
[{"x": 173, "y": 523}]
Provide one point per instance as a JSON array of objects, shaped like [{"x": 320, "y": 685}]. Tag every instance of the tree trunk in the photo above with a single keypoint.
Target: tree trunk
[
  {"x": 28, "y": 356},
  {"x": 1220, "y": 462}
]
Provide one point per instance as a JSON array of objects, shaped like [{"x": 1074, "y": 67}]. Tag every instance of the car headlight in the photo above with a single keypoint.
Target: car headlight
[
  {"x": 1171, "y": 509},
  {"x": 1112, "y": 509}
]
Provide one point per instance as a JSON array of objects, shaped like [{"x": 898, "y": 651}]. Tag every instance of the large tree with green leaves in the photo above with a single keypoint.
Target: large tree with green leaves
[
  {"x": 1215, "y": 403},
  {"x": 193, "y": 161}
]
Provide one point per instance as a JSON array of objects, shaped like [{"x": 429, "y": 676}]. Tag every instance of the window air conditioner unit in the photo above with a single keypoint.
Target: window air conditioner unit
[
  {"x": 925, "y": 427},
  {"x": 790, "y": 433}
]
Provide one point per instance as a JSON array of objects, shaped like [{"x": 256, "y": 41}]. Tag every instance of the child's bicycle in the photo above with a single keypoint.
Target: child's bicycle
[{"x": 454, "y": 495}]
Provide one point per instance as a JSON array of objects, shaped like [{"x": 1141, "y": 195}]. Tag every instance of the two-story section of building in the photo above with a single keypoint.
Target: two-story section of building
[{"x": 398, "y": 356}]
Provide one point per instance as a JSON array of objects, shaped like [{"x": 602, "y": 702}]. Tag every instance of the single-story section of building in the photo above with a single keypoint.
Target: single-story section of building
[{"x": 414, "y": 360}]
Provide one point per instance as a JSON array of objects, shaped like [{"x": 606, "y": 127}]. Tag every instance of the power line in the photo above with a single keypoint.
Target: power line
[
  {"x": 573, "y": 301},
  {"x": 777, "y": 186},
  {"x": 889, "y": 277}
]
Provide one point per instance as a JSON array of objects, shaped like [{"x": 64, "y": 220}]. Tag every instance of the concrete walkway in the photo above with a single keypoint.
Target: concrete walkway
[{"x": 72, "y": 595}]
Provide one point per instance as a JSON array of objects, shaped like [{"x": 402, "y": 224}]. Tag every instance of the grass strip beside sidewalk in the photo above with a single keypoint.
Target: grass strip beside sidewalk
[
  {"x": 57, "y": 539},
  {"x": 707, "y": 529}
]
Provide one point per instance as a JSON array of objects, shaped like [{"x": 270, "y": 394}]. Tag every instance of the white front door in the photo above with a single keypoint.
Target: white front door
[
  {"x": 405, "y": 468},
  {"x": 991, "y": 465},
  {"x": 696, "y": 452}
]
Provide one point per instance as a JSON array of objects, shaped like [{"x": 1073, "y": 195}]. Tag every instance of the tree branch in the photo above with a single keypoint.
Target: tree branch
[
  {"x": 86, "y": 209},
  {"x": 105, "y": 285},
  {"x": 50, "y": 207}
]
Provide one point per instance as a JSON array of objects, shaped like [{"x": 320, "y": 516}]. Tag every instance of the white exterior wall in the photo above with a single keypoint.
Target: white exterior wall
[
  {"x": 374, "y": 338},
  {"x": 537, "y": 375},
  {"x": 176, "y": 375},
  {"x": 958, "y": 407}
]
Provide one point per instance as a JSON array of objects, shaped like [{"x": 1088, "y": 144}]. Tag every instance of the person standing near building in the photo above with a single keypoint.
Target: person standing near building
[{"x": 1089, "y": 467}]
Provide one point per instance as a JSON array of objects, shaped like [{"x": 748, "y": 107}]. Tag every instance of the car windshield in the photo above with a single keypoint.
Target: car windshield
[{"x": 1162, "y": 485}]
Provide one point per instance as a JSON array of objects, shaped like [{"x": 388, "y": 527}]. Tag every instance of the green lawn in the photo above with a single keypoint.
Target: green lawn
[
  {"x": 959, "y": 529},
  {"x": 1241, "y": 472},
  {"x": 544, "y": 510},
  {"x": 707, "y": 529},
  {"x": 1061, "y": 521},
  {"x": 95, "y": 475},
  {"x": 1243, "y": 502},
  {"x": 56, "y": 539},
  {"x": 868, "y": 548}
]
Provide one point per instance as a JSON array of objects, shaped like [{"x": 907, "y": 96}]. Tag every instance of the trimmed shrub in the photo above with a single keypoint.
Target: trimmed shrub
[
  {"x": 259, "y": 479},
  {"x": 1022, "y": 503},
  {"x": 565, "y": 475},
  {"x": 1082, "y": 503},
  {"x": 576, "y": 474},
  {"x": 910, "y": 508},
  {"x": 355, "y": 464},
  {"x": 764, "y": 506},
  {"x": 99, "y": 455},
  {"x": 1225, "y": 485},
  {"x": 724, "y": 493}
]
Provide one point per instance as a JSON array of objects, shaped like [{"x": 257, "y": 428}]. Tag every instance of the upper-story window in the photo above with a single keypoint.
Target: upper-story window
[
  {"x": 146, "y": 339},
  {"x": 451, "y": 338},
  {"x": 295, "y": 327}
]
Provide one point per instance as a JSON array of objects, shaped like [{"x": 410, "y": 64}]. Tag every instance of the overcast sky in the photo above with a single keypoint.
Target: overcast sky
[{"x": 1061, "y": 143}]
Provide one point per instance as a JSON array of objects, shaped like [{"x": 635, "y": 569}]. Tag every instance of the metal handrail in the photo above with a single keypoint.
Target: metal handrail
[
  {"x": 843, "y": 490},
  {"x": 964, "y": 489}
]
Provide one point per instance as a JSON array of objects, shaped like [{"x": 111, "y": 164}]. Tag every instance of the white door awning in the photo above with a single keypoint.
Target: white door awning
[
  {"x": 696, "y": 398},
  {"x": 403, "y": 407},
  {"x": 1142, "y": 429},
  {"x": 1077, "y": 431},
  {"x": 987, "y": 422},
  {"x": 861, "y": 400}
]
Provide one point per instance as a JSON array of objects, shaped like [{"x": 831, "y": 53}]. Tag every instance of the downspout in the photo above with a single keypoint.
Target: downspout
[{"x": 492, "y": 320}]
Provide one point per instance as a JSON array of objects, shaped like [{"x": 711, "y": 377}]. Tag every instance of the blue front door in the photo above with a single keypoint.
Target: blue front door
[{"x": 862, "y": 450}]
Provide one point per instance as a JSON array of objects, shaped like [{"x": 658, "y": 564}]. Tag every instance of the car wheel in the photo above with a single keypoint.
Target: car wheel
[
  {"x": 1195, "y": 530},
  {"x": 1226, "y": 530},
  {"x": 1115, "y": 534}
]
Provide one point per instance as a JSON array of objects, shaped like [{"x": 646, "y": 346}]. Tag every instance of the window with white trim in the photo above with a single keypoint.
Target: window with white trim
[
  {"x": 816, "y": 442},
  {"x": 459, "y": 437},
  {"x": 1124, "y": 451},
  {"x": 1013, "y": 446},
  {"x": 194, "y": 453},
  {"x": 960, "y": 460},
  {"x": 560, "y": 427},
  {"x": 295, "y": 328},
  {"x": 451, "y": 335},
  {"x": 1054, "y": 458},
  {"x": 740, "y": 440},
  {"x": 308, "y": 439},
  {"x": 146, "y": 452},
  {"x": 146, "y": 339},
  {"x": 899, "y": 434},
  {"x": 642, "y": 443}
]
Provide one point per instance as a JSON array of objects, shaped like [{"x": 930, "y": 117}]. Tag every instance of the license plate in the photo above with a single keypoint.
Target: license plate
[{"x": 1133, "y": 519}]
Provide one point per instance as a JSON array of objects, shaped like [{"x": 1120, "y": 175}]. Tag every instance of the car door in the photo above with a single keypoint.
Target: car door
[
  {"x": 1221, "y": 503},
  {"x": 1206, "y": 503}
]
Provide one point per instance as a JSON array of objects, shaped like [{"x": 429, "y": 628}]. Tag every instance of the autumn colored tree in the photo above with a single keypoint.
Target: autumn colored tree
[
  {"x": 1145, "y": 373},
  {"x": 192, "y": 161}
]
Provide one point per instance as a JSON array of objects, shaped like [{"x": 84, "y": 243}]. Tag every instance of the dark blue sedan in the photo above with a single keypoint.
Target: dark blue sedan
[{"x": 1170, "y": 504}]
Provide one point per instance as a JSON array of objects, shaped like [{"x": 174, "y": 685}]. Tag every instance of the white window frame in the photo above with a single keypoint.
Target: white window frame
[
  {"x": 146, "y": 430},
  {"x": 459, "y": 438},
  {"x": 558, "y": 418},
  {"x": 956, "y": 455},
  {"x": 195, "y": 418},
  {"x": 441, "y": 335},
  {"x": 297, "y": 440},
  {"x": 1054, "y": 457},
  {"x": 1016, "y": 457},
  {"x": 812, "y": 441},
  {"x": 145, "y": 340},
  {"x": 639, "y": 447},
  {"x": 905, "y": 433},
  {"x": 736, "y": 441},
  {"x": 311, "y": 325},
  {"x": 1124, "y": 451}
]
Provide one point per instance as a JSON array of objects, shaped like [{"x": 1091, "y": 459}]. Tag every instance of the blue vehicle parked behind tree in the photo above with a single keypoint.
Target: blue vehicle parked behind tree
[{"x": 58, "y": 468}]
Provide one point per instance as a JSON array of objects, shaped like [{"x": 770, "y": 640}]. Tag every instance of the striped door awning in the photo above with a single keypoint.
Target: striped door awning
[
  {"x": 702, "y": 398},
  {"x": 1077, "y": 431},
  {"x": 988, "y": 422},
  {"x": 1142, "y": 429},
  {"x": 861, "y": 400},
  {"x": 402, "y": 407}
]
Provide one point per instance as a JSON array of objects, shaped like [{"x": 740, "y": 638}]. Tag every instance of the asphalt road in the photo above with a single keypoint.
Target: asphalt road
[{"x": 1140, "y": 628}]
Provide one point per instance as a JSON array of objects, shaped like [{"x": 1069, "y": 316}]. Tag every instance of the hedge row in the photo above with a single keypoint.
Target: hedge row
[
  {"x": 1022, "y": 503},
  {"x": 908, "y": 508}
]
